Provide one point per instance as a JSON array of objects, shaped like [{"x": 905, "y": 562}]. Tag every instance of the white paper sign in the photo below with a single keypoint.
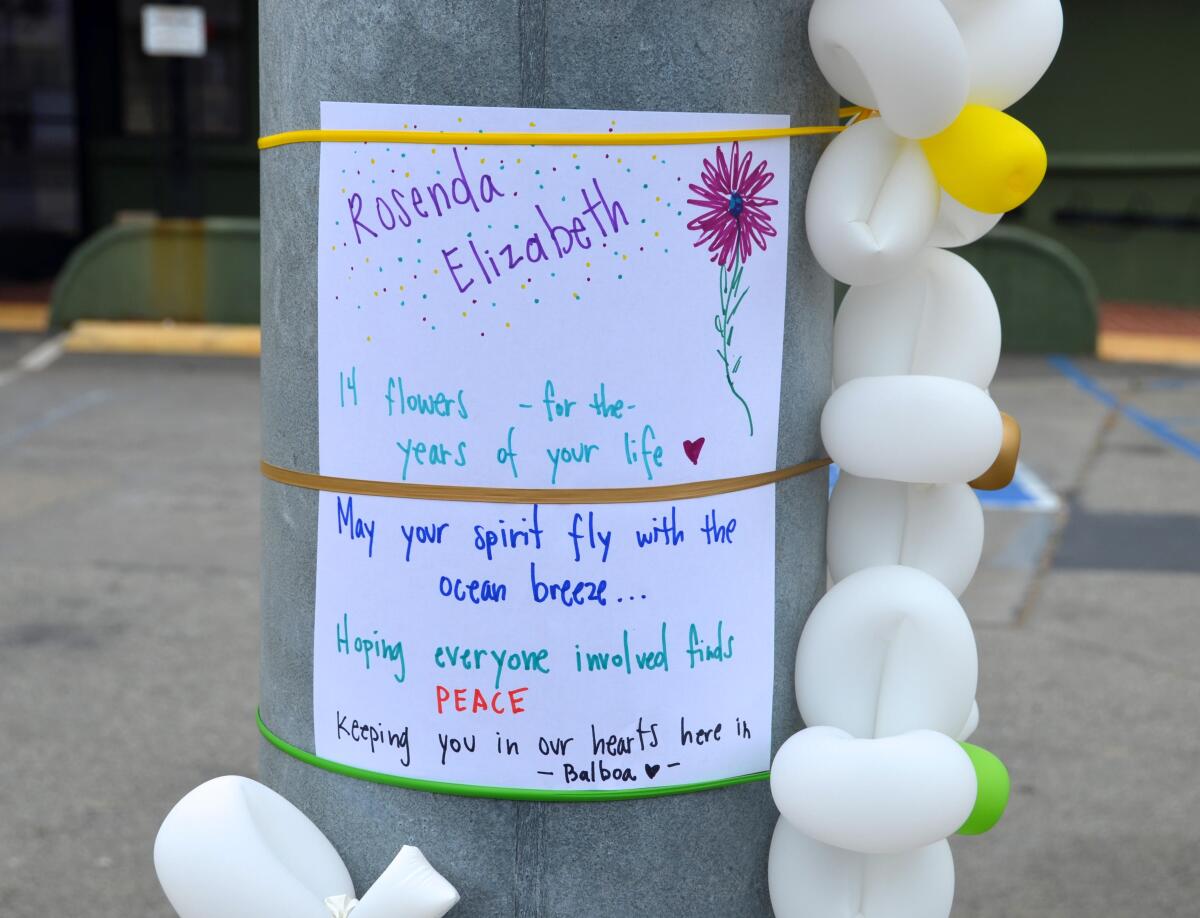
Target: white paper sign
[
  {"x": 173, "y": 31},
  {"x": 542, "y": 317}
]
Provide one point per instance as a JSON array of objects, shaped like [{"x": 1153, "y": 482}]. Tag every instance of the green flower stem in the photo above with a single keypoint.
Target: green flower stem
[{"x": 731, "y": 300}]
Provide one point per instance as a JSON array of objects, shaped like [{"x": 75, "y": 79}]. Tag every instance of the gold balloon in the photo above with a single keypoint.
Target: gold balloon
[{"x": 1001, "y": 472}]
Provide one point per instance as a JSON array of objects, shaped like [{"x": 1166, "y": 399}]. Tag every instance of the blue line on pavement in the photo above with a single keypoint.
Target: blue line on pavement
[
  {"x": 53, "y": 416},
  {"x": 1152, "y": 425}
]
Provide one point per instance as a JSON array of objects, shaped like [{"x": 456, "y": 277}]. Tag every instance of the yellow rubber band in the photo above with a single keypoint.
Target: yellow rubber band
[
  {"x": 533, "y": 139},
  {"x": 686, "y": 491}
]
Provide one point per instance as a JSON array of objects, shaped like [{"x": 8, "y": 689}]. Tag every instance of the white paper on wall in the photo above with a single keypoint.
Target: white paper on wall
[{"x": 541, "y": 317}]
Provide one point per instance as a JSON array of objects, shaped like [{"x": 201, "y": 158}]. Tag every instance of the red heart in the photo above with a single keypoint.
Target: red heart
[{"x": 691, "y": 449}]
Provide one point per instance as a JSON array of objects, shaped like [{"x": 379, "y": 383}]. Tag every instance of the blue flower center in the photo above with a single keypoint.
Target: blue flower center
[{"x": 735, "y": 203}]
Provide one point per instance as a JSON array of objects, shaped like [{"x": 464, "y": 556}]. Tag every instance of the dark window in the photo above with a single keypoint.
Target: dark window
[
  {"x": 38, "y": 133},
  {"x": 216, "y": 107}
]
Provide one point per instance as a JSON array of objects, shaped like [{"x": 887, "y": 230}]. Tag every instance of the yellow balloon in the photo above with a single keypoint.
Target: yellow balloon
[{"x": 987, "y": 160}]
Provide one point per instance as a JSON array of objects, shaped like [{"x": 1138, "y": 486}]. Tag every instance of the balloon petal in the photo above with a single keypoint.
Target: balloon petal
[
  {"x": 233, "y": 848},
  {"x": 871, "y": 204},
  {"x": 958, "y": 225},
  {"x": 1009, "y": 44},
  {"x": 938, "y": 318},
  {"x": 917, "y": 429},
  {"x": 810, "y": 880},
  {"x": 970, "y": 726},
  {"x": 907, "y": 60},
  {"x": 409, "y": 887},
  {"x": 937, "y": 529},
  {"x": 876, "y": 796},
  {"x": 886, "y": 651}
]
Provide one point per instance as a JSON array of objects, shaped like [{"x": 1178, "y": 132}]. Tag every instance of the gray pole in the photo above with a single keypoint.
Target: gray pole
[{"x": 695, "y": 854}]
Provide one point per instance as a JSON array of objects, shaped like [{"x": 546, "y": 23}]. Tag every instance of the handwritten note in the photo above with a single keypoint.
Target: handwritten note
[{"x": 548, "y": 317}]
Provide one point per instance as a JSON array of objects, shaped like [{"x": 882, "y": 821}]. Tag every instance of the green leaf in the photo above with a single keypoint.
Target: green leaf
[
  {"x": 736, "y": 365},
  {"x": 736, "y": 306}
]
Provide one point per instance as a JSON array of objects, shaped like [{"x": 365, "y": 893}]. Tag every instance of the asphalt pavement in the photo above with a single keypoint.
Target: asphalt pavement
[{"x": 129, "y": 558}]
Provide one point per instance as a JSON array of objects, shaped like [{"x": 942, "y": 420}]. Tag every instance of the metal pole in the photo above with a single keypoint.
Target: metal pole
[{"x": 696, "y": 854}]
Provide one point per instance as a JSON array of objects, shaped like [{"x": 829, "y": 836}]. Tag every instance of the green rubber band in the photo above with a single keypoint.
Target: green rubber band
[
  {"x": 992, "y": 796},
  {"x": 495, "y": 793}
]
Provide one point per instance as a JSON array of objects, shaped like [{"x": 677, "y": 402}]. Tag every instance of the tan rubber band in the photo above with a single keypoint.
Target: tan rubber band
[{"x": 685, "y": 491}]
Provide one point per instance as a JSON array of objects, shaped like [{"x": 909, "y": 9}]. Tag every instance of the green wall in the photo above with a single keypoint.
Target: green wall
[
  {"x": 1116, "y": 111},
  {"x": 184, "y": 270},
  {"x": 131, "y": 174}
]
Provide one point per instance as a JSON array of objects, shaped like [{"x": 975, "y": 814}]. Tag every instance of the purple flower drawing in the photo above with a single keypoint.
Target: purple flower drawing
[{"x": 733, "y": 222}]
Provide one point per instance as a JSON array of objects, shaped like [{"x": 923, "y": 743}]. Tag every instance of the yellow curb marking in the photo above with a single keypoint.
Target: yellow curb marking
[
  {"x": 97, "y": 337},
  {"x": 1132, "y": 347},
  {"x": 24, "y": 317}
]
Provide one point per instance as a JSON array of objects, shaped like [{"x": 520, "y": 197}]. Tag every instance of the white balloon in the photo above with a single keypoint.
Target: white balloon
[
  {"x": 236, "y": 849},
  {"x": 971, "y": 725},
  {"x": 958, "y": 224},
  {"x": 938, "y": 318},
  {"x": 810, "y": 880},
  {"x": 935, "y": 528},
  {"x": 878, "y": 796},
  {"x": 871, "y": 204},
  {"x": 905, "y": 59},
  {"x": 920, "y": 429},
  {"x": 409, "y": 887},
  {"x": 1009, "y": 43},
  {"x": 233, "y": 848},
  {"x": 886, "y": 651}
]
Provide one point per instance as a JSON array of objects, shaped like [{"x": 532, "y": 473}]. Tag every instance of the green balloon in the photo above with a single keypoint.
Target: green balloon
[{"x": 992, "y": 796}]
